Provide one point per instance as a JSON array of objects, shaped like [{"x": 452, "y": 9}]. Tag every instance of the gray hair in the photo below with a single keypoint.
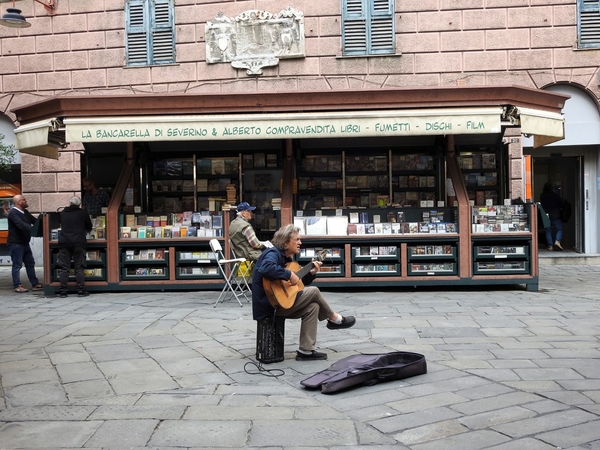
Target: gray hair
[
  {"x": 75, "y": 201},
  {"x": 283, "y": 236}
]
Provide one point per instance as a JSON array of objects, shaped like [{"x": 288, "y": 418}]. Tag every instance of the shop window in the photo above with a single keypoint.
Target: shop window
[
  {"x": 588, "y": 24},
  {"x": 150, "y": 29},
  {"x": 368, "y": 27}
]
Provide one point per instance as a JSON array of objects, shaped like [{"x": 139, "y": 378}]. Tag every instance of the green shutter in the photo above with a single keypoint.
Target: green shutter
[{"x": 588, "y": 24}]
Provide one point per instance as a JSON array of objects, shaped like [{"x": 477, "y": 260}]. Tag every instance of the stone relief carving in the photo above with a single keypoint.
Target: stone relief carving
[{"x": 255, "y": 39}]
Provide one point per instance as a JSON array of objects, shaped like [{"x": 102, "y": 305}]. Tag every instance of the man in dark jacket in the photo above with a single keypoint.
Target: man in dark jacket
[
  {"x": 20, "y": 221},
  {"x": 74, "y": 223},
  {"x": 552, "y": 204},
  {"x": 309, "y": 304}
]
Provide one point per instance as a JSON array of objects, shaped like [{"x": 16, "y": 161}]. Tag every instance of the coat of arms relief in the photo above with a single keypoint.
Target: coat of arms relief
[{"x": 255, "y": 39}]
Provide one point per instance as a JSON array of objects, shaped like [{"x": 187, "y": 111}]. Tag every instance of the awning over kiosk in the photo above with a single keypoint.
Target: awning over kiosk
[
  {"x": 546, "y": 127},
  {"x": 468, "y": 110},
  {"x": 42, "y": 138}
]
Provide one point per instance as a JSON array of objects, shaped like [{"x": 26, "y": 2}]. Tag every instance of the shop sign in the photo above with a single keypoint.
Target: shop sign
[{"x": 285, "y": 126}]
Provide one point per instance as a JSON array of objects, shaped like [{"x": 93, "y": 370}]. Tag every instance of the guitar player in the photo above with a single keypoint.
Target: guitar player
[{"x": 273, "y": 268}]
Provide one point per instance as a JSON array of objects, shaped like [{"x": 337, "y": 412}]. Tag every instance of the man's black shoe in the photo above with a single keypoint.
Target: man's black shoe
[
  {"x": 347, "y": 322},
  {"x": 62, "y": 295},
  {"x": 83, "y": 294},
  {"x": 313, "y": 356}
]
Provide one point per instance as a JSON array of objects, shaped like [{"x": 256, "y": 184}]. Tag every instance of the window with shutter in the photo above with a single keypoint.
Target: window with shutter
[
  {"x": 588, "y": 24},
  {"x": 150, "y": 27},
  {"x": 368, "y": 27}
]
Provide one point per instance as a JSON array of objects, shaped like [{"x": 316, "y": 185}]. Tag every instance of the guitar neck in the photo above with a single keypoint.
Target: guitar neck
[{"x": 307, "y": 268}]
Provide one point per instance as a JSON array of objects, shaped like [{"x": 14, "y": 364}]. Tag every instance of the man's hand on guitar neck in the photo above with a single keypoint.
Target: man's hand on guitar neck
[{"x": 317, "y": 267}]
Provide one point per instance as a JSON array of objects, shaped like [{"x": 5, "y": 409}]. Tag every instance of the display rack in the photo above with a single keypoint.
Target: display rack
[{"x": 482, "y": 172}]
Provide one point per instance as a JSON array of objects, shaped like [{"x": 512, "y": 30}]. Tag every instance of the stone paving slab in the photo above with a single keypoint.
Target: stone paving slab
[{"x": 507, "y": 370}]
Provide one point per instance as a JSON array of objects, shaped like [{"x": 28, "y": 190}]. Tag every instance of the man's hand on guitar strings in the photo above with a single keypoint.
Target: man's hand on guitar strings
[{"x": 293, "y": 281}]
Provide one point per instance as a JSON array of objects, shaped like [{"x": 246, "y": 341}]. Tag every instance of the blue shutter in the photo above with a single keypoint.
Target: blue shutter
[
  {"x": 163, "y": 39},
  {"x": 382, "y": 27},
  {"x": 588, "y": 24},
  {"x": 354, "y": 30},
  {"x": 150, "y": 32},
  {"x": 368, "y": 27},
  {"x": 137, "y": 35}
]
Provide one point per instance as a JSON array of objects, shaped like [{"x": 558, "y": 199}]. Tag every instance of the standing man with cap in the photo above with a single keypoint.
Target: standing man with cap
[
  {"x": 74, "y": 223},
  {"x": 243, "y": 239},
  {"x": 20, "y": 222}
]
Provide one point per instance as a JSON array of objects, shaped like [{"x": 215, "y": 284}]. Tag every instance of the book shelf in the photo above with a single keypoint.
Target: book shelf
[
  {"x": 333, "y": 263},
  {"x": 95, "y": 258},
  {"x": 414, "y": 178},
  {"x": 482, "y": 171},
  {"x": 196, "y": 265},
  {"x": 508, "y": 255},
  {"x": 262, "y": 175},
  {"x": 432, "y": 258},
  {"x": 144, "y": 262}
]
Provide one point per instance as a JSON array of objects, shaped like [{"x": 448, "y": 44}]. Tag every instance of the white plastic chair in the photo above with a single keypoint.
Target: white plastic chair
[{"x": 235, "y": 286}]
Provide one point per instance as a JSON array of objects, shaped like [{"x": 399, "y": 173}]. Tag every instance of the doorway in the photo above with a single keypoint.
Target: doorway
[{"x": 564, "y": 172}]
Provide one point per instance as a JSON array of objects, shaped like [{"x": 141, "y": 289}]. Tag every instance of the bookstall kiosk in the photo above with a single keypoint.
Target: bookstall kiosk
[{"x": 489, "y": 243}]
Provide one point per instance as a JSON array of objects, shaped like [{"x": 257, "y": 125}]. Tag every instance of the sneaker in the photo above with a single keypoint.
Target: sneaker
[
  {"x": 83, "y": 294},
  {"x": 558, "y": 247},
  {"x": 21, "y": 289},
  {"x": 38, "y": 287},
  {"x": 347, "y": 322},
  {"x": 313, "y": 356}
]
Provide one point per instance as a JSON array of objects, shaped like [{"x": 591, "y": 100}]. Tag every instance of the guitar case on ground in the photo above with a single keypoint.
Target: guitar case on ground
[{"x": 367, "y": 370}]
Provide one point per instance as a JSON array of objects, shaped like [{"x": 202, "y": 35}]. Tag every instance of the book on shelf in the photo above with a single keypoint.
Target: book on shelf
[
  {"x": 174, "y": 168},
  {"x": 125, "y": 232},
  {"x": 92, "y": 255},
  {"x": 202, "y": 185},
  {"x": 259, "y": 160},
  {"x": 218, "y": 166},
  {"x": 247, "y": 161},
  {"x": 271, "y": 160},
  {"x": 231, "y": 166},
  {"x": 133, "y": 234},
  {"x": 217, "y": 221},
  {"x": 141, "y": 232}
]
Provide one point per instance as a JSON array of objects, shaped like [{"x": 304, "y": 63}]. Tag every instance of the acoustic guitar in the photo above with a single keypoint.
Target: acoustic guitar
[{"x": 282, "y": 294}]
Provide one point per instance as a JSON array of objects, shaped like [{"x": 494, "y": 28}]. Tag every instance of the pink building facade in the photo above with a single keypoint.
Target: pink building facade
[{"x": 80, "y": 49}]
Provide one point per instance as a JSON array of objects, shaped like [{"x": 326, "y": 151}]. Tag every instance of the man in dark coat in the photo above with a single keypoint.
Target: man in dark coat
[
  {"x": 309, "y": 304},
  {"x": 552, "y": 204},
  {"x": 75, "y": 223},
  {"x": 20, "y": 222}
]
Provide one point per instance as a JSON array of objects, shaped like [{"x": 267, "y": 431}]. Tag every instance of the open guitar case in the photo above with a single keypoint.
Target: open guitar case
[{"x": 367, "y": 370}]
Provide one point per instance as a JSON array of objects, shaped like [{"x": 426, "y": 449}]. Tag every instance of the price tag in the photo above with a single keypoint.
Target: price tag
[
  {"x": 338, "y": 212},
  {"x": 137, "y": 209},
  {"x": 318, "y": 213}
]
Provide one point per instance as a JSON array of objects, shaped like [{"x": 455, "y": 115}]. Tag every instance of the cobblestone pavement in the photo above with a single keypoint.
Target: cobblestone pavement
[{"x": 507, "y": 369}]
